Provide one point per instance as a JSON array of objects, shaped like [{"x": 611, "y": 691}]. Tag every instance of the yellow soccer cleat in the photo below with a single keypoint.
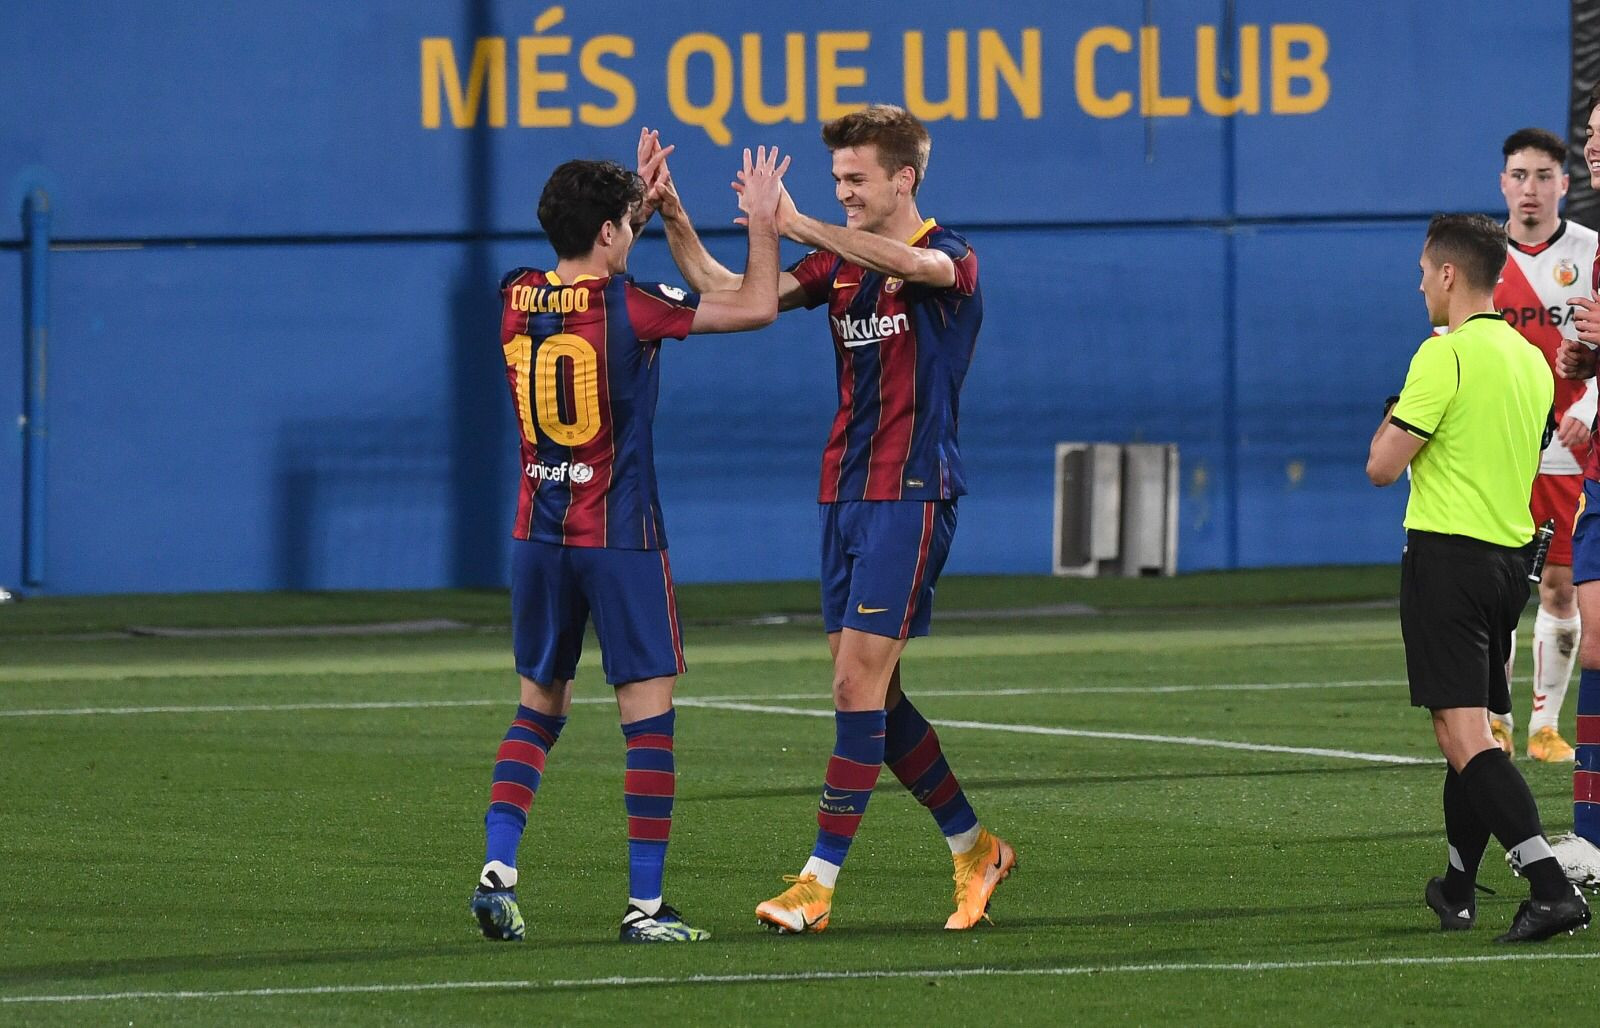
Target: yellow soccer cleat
[
  {"x": 802, "y": 907},
  {"x": 979, "y": 871},
  {"x": 1547, "y": 745},
  {"x": 1502, "y": 735}
]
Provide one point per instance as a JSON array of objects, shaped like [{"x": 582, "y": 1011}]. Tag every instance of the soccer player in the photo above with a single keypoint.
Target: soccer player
[
  {"x": 1547, "y": 256},
  {"x": 1579, "y": 852},
  {"x": 904, "y": 307},
  {"x": 1470, "y": 424},
  {"x": 582, "y": 345}
]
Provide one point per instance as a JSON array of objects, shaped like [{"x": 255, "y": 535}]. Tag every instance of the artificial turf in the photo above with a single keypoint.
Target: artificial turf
[{"x": 304, "y": 813}]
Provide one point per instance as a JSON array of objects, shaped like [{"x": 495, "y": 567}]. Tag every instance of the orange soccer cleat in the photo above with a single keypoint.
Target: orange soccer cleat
[
  {"x": 803, "y": 907},
  {"x": 979, "y": 871}
]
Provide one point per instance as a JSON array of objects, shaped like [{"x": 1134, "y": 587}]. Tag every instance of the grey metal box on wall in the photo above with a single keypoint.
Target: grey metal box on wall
[{"x": 1116, "y": 509}]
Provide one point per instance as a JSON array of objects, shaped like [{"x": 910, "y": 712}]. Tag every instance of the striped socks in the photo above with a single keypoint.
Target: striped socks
[
  {"x": 911, "y": 749},
  {"x": 649, "y": 785},
  {"x": 852, "y": 772},
  {"x": 517, "y": 769},
  {"x": 1586, "y": 775}
]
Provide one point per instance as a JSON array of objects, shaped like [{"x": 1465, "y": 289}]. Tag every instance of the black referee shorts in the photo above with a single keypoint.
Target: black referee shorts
[{"x": 1460, "y": 599}]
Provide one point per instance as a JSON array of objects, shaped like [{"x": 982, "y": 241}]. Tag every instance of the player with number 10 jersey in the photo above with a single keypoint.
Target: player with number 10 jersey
[
  {"x": 582, "y": 344},
  {"x": 583, "y": 363}
]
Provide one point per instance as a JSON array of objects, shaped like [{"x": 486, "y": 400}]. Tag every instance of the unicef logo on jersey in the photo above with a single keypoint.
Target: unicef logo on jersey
[
  {"x": 1565, "y": 272},
  {"x": 577, "y": 473}
]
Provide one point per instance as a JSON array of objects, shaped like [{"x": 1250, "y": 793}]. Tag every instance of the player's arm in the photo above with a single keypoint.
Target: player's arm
[
  {"x": 703, "y": 272},
  {"x": 1574, "y": 428},
  {"x": 921, "y": 264},
  {"x": 754, "y": 303}
]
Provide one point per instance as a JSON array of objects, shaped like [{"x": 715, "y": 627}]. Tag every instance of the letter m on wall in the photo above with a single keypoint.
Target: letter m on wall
[{"x": 441, "y": 80}]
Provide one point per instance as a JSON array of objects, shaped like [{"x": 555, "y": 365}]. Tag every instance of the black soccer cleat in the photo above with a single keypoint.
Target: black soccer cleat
[
  {"x": 1453, "y": 917},
  {"x": 1537, "y": 920}
]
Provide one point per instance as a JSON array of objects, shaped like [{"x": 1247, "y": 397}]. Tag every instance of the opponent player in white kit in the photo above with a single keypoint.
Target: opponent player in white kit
[{"x": 1548, "y": 259}]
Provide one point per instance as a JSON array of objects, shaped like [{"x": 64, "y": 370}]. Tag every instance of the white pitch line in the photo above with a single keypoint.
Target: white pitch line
[
  {"x": 1083, "y": 733},
  {"x": 261, "y": 708},
  {"x": 620, "y": 981}
]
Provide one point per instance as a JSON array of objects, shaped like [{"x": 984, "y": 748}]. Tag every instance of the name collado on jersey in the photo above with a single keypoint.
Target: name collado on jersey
[
  {"x": 542, "y": 300},
  {"x": 577, "y": 472},
  {"x": 1555, "y": 317},
  {"x": 874, "y": 328}
]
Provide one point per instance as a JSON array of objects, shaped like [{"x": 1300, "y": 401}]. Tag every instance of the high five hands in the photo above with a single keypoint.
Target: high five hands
[
  {"x": 659, "y": 192},
  {"x": 760, "y": 187}
]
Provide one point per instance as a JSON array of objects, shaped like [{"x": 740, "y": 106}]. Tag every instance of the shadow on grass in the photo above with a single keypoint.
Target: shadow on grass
[
  {"x": 978, "y": 785},
  {"x": 174, "y": 963},
  {"x": 845, "y": 938}
]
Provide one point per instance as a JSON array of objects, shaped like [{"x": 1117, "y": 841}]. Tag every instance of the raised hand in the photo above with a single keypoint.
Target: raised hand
[
  {"x": 659, "y": 192},
  {"x": 759, "y": 185}
]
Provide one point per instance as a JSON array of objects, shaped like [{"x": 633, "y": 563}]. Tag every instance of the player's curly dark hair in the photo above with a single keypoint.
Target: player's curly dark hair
[
  {"x": 901, "y": 140},
  {"x": 1474, "y": 243},
  {"x": 1542, "y": 140},
  {"x": 580, "y": 197}
]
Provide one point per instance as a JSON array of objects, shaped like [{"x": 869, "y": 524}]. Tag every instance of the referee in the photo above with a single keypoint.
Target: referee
[{"x": 1470, "y": 422}]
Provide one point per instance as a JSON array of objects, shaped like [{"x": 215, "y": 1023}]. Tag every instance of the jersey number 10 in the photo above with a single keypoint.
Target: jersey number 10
[{"x": 539, "y": 386}]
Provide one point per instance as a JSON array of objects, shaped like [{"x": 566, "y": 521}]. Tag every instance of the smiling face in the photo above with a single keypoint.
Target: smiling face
[
  {"x": 1533, "y": 185},
  {"x": 870, "y": 194}
]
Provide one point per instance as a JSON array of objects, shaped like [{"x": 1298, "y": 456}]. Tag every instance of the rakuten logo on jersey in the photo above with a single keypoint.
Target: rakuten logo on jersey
[
  {"x": 578, "y": 473},
  {"x": 853, "y": 332}
]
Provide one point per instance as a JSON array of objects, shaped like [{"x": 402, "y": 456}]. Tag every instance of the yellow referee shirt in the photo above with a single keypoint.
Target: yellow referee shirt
[{"x": 1480, "y": 397}]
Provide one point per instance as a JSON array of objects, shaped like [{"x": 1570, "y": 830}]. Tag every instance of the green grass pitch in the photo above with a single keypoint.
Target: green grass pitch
[{"x": 285, "y": 829}]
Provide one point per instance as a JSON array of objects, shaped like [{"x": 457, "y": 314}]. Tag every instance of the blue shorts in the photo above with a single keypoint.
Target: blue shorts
[
  {"x": 555, "y": 588},
  {"x": 1586, "y": 535},
  {"x": 880, "y": 561}
]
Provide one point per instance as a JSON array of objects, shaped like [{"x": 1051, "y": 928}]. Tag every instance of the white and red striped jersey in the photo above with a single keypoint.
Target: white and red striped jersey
[{"x": 1532, "y": 294}]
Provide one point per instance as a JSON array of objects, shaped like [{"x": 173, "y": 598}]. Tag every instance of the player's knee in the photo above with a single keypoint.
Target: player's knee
[
  {"x": 849, "y": 689},
  {"x": 1589, "y": 651},
  {"x": 1559, "y": 600},
  {"x": 857, "y": 686}
]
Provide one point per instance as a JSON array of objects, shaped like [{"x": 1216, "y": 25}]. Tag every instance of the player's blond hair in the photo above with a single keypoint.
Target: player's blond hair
[{"x": 901, "y": 140}]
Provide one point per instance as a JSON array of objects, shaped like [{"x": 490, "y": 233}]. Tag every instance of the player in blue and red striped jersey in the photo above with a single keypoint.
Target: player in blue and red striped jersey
[
  {"x": 1579, "y": 852},
  {"x": 904, "y": 305},
  {"x": 582, "y": 344}
]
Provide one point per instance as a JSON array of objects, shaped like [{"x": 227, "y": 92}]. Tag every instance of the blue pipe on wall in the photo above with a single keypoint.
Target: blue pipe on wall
[{"x": 35, "y": 437}]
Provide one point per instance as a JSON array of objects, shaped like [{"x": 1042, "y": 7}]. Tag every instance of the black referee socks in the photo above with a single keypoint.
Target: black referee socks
[
  {"x": 1467, "y": 835},
  {"x": 1500, "y": 795}
]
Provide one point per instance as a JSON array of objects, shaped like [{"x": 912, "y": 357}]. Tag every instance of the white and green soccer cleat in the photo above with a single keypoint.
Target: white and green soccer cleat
[
  {"x": 665, "y": 925},
  {"x": 495, "y": 905}
]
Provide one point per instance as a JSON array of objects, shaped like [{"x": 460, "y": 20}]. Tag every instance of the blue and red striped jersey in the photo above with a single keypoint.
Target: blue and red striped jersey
[
  {"x": 583, "y": 363},
  {"x": 901, "y": 351}
]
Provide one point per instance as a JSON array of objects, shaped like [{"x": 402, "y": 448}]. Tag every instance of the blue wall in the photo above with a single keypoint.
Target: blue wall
[{"x": 273, "y": 351}]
